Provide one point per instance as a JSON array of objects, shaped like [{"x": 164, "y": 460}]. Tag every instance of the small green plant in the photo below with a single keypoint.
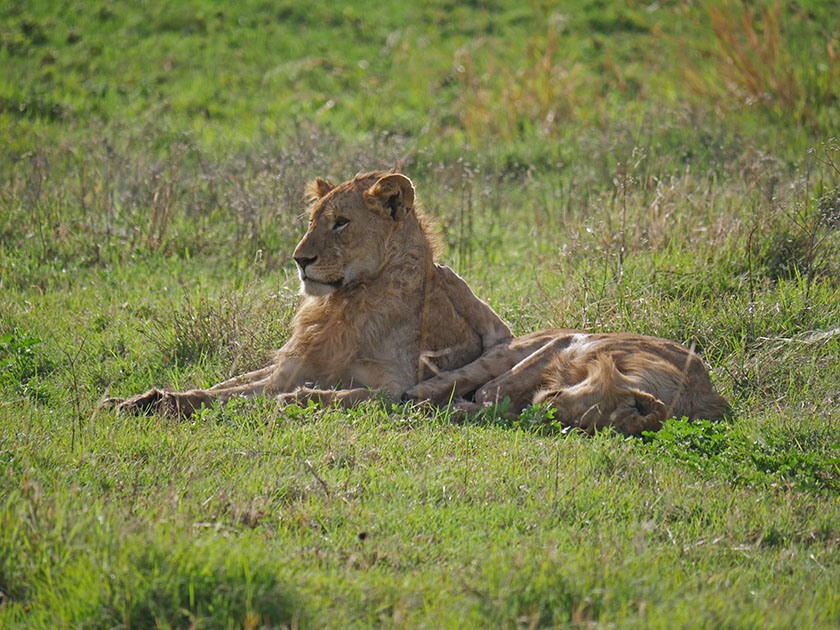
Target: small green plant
[
  {"x": 718, "y": 449},
  {"x": 540, "y": 419},
  {"x": 693, "y": 443},
  {"x": 537, "y": 419}
]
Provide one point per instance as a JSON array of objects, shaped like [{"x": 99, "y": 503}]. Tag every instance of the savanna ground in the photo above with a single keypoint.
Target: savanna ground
[{"x": 664, "y": 168}]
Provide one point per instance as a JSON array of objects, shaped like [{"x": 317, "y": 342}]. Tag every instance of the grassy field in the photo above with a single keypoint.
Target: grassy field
[{"x": 662, "y": 168}]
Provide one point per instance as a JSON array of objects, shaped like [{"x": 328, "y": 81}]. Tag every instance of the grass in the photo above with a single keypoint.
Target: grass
[{"x": 150, "y": 184}]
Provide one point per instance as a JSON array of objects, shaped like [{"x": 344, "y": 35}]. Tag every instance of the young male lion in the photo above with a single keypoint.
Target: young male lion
[
  {"x": 376, "y": 314},
  {"x": 632, "y": 383}
]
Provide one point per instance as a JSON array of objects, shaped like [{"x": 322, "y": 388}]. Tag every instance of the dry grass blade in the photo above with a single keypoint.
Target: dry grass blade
[
  {"x": 539, "y": 89},
  {"x": 750, "y": 57}
]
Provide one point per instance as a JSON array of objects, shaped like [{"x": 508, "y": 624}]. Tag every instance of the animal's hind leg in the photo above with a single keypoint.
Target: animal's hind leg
[
  {"x": 521, "y": 381},
  {"x": 456, "y": 383},
  {"x": 493, "y": 363}
]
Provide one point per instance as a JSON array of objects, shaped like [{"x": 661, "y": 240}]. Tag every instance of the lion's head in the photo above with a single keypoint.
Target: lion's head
[
  {"x": 350, "y": 227},
  {"x": 600, "y": 398},
  {"x": 629, "y": 410}
]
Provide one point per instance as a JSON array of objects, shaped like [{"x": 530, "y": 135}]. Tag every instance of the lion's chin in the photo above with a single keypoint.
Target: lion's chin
[{"x": 318, "y": 289}]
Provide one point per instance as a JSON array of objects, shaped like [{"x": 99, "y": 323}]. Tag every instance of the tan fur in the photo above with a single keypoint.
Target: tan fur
[
  {"x": 376, "y": 313},
  {"x": 629, "y": 382}
]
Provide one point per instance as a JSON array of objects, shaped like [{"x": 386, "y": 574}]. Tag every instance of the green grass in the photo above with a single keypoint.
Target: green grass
[{"x": 606, "y": 166}]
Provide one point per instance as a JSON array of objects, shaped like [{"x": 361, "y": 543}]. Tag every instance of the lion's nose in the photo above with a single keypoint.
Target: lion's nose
[{"x": 304, "y": 261}]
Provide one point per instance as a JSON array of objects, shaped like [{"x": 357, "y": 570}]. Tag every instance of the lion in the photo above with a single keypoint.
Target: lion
[
  {"x": 632, "y": 383},
  {"x": 377, "y": 315}
]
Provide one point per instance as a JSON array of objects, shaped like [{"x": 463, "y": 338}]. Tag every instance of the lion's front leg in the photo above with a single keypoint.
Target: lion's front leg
[
  {"x": 182, "y": 404},
  {"x": 284, "y": 376}
]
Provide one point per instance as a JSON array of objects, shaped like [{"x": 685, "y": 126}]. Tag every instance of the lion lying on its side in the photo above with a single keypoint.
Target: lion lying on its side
[
  {"x": 377, "y": 314},
  {"x": 629, "y": 382}
]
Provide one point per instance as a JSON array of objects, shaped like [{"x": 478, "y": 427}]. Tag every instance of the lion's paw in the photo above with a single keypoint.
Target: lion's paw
[
  {"x": 288, "y": 398},
  {"x": 167, "y": 403},
  {"x": 411, "y": 393},
  {"x": 425, "y": 392},
  {"x": 139, "y": 404}
]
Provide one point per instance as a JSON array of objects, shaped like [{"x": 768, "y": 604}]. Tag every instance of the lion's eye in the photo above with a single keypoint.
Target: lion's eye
[{"x": 340, "y": 222}]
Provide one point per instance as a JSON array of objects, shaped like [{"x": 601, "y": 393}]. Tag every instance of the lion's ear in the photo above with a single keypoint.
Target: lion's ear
[
  {"x": 395, "y": 193},
  {"x": 642, "y": 412},
  {"x": 317, "y": 188}
]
